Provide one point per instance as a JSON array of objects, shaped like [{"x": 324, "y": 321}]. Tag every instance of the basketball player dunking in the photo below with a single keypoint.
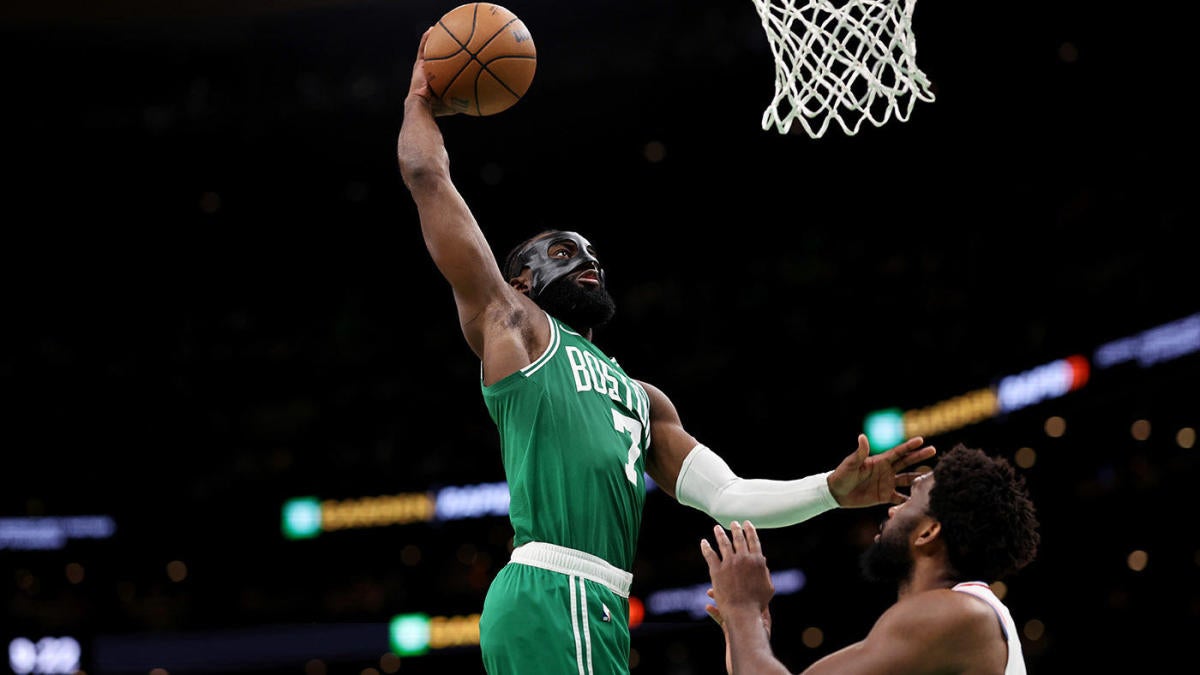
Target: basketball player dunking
[{"x": 577, "y": 433}]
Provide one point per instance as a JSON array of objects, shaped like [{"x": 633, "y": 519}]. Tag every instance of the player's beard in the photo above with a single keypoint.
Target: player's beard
[
  {"x": 580, "y": 307},
  {"x": 889, "y": 560}
]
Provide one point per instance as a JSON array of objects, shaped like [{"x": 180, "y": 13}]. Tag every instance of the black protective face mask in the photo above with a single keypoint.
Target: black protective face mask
[{"x": 546, "y": 269}]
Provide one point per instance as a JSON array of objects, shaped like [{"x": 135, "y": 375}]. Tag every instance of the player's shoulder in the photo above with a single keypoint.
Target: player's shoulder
[
  {"x": 944, "y": 630},
  {"x": 945, "y": 599},
  {"x": 657, "y": 397},
  {"x": 648, "y": 387},
  {"x": 942, "y": 612}
]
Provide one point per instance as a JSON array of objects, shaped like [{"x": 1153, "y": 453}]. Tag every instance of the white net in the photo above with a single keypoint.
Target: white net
[{"x": 842, "y": 61}]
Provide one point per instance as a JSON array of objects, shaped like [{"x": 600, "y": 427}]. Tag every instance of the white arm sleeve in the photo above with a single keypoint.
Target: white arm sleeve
[{"x": 707, "y": 483}]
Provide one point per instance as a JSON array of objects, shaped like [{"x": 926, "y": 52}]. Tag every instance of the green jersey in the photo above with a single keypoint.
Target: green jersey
[{"x": 574, "y": 429}]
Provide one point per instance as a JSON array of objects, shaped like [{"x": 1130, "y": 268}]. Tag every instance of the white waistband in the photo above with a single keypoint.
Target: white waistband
[{"x": 575, "y": 563}]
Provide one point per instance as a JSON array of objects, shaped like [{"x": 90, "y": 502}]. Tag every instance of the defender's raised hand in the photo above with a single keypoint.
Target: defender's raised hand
[{"x": 739, "y": 572}]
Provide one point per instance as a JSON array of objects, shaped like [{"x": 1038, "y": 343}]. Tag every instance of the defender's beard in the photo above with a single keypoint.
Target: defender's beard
[{"x": 889, "y": 560}]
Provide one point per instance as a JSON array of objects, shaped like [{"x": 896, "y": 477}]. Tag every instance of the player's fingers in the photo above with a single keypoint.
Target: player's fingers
[
  {"x": 907, "y": 456},
  {"x": 753, "y": 544},
  {"x": 421, "y": 49},
  {"x": 418, "y": 73},
  {"x": 905, "y": 479},
  {"x": 723, "y": 543},
  {"x": 864, "y": 448},
  {"x": 922, "y": 454},
  {"x": 424, "y": 39},
  {"x": 902, "y": 462},
  {"x": 738, "y": 535},
  {"x": 710, "y": 556},
  {"x": 897, "y": 453},
  {"x": 714, "y": 613}
]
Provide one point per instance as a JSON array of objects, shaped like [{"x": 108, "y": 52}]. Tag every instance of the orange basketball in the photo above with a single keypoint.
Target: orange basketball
[{"x": 480, "y": 59}]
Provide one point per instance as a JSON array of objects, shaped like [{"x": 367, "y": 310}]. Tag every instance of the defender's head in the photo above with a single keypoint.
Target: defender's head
[{"x": 973, "y": 511}]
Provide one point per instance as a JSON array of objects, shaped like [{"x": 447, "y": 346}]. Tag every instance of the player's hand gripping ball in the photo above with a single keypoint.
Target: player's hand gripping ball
[{"x": 479, "y": 59}]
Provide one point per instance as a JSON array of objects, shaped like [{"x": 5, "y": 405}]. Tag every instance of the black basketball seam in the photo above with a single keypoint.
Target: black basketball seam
[
  {"x": 462, "y": 47},
  {"x": 495, "y": 77},
  {"x": 483, "y": 67}
]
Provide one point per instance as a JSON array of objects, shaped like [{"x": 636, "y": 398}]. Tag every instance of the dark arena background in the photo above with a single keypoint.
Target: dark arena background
[{"x": 242, "y": 432}]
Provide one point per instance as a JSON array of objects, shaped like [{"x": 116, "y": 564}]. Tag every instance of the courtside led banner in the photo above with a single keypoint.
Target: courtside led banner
[
  {"x": 307, "y": 517},
  {"x": 888, "y": 427},
  {"x": 419, "y": 633}
]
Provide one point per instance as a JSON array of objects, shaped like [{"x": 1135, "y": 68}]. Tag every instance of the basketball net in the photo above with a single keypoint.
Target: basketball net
[{"x": 842, "y": 61}]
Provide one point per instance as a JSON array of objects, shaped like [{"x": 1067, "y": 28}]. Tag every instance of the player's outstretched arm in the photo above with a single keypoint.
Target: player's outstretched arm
[
  {"x": 698, "y": 477},
  {"x": 453, "y": 237}
]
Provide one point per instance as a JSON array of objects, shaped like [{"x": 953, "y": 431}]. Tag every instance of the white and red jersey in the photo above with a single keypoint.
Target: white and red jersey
[{"x": 1016, "y": 658}]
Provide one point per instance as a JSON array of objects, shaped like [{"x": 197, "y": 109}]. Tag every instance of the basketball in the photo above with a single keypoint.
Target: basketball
[{"x": 480, "y": 59}]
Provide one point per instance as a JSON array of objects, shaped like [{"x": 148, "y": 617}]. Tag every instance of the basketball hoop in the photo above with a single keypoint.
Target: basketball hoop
[{"x": 843, "y": 61}]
